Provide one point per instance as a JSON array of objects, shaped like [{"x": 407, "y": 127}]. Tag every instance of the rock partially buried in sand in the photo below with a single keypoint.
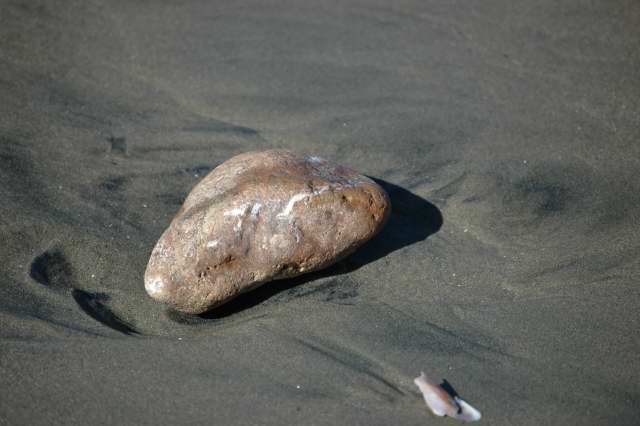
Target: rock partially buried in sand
[{"x": 261, "y": 216}]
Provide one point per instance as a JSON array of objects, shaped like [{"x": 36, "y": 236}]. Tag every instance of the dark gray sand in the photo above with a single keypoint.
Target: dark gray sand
[{"x": 507, "y": 134}]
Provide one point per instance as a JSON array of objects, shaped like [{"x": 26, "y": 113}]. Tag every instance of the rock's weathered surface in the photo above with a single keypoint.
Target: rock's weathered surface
[{"x": 258, "y": 217}]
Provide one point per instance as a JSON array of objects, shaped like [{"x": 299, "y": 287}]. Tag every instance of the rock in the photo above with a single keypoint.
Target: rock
[{"x": 261, "y": 216}]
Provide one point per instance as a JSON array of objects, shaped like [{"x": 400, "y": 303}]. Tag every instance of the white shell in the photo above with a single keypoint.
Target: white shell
[{"x": 442, "y": 404}]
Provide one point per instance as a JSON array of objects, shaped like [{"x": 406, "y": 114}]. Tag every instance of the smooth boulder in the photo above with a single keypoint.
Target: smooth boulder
[{"x": 258, "y": 217}]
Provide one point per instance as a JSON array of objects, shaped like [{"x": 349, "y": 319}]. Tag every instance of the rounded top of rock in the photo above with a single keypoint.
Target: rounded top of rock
[{"x": 273, "y": 163}]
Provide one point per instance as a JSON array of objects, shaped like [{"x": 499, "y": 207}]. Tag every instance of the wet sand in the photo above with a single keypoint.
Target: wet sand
[{"x": 506, "y": 134}]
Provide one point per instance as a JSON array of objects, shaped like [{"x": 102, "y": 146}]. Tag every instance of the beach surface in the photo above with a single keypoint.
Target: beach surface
[{"x": 506, "y": 134}]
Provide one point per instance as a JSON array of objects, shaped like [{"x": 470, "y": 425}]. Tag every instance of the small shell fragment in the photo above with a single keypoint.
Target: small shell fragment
[{"x": 441, "y": 403}]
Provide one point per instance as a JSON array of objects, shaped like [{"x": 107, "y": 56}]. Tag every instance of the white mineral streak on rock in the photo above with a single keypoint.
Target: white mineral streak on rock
[
  {"x": 238, "y": 211},
  {"x": 303, "y": 196},
  {"x": 256, "y": 209},
  {"x": 315, "y": 159},
  {"x": 292, "y": 202},
  {"x": 212, "y": 244},
  {"x": 324, "y": 189}
]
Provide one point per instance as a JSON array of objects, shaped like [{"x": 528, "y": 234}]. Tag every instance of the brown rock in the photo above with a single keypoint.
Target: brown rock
[{"x": 258, "y": 217}]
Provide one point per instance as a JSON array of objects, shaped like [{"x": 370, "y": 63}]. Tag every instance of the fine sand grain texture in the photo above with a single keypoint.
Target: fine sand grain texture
[{"x": 506, "y": 134}]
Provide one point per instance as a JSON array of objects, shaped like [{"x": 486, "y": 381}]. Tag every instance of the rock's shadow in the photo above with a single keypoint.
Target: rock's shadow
[{"x": 412, "y": 219}]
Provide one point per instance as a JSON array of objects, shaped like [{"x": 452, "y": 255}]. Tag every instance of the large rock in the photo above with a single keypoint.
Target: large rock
[{"x": 257, "y": 217}]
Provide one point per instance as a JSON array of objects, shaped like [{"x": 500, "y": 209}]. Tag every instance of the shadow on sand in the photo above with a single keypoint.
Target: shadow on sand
[{"x": 412, "y": 219}]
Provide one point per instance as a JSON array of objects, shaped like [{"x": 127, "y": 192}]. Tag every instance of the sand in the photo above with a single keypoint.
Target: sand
[{"x": 506, "y": 133}]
